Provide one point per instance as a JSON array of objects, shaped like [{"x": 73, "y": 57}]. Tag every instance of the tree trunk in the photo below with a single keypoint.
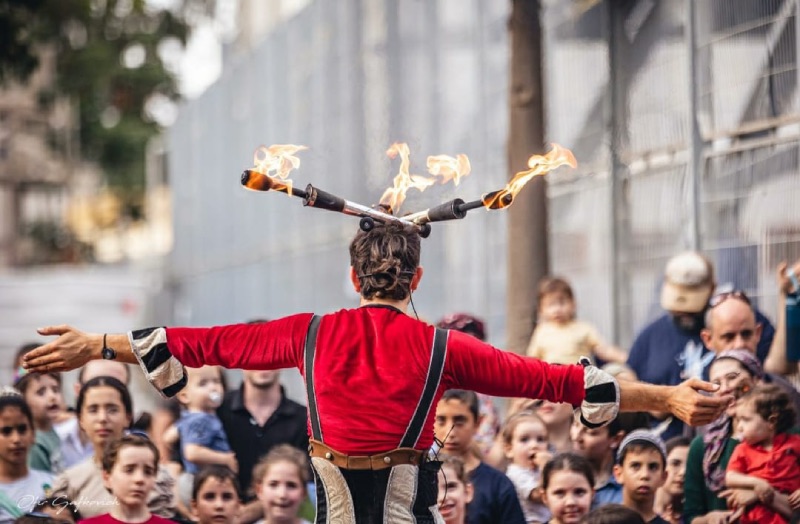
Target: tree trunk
[{"x": 527, "y": 228}]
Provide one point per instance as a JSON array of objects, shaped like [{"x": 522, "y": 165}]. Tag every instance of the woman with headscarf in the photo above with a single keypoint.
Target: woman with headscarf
[{"x": 736, "y": 371}]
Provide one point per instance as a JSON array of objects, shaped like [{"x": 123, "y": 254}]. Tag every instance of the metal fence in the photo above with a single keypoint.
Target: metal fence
[{"x": 685, "y": 116}]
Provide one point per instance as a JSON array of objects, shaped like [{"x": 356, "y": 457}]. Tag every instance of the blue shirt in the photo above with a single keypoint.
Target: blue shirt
[
  {"x": 662, "y": 354},
  {"x": 203, "y": 429},
  {"x": 609, "y": 493},
  {"x": 495, "y": 498}
]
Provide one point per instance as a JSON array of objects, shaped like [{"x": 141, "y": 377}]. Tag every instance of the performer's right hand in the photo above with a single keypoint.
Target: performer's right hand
[
  {"x": 71, "y": 350},
  {"x": 689, "y": 402}
]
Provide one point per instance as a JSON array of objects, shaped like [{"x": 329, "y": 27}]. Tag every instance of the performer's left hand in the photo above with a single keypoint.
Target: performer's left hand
[
  {"x": 71, "y": 350},
  {"x": 687, "y": 402}
]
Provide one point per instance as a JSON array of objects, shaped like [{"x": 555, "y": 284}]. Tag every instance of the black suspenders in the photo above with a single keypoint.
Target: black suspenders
[
  {"x": 435, "y": 369},
  {"x": 311, "y": 346},
  {"x": 417, "y": 423}
]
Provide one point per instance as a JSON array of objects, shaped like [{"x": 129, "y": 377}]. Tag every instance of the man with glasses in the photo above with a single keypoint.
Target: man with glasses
[{"x": 670, "y": 349}]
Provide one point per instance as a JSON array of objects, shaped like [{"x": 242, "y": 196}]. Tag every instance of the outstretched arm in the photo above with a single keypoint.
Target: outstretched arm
[
  {"x": 686, "y": 401},
  {"x": 74, "y": 348},
  {"x": 162, "y": 352}
]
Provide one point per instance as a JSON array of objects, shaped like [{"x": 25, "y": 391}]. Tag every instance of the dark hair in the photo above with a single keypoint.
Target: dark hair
[
  {"x": 385, "y": 260},
  {"x": 677, "y": 442},
  {"x": 15, "y": 400},
  {"x": 32, "y": 518},
  {"x": 628, "y": 421},
  {"x": 613, "y": 514},
  {"x": 282, "y": 453},
  {"x": 111, "y": 382},
  {"x": 468, "y": 398},
  {"x": 219, "y": 472},
  {"x": 637, "y": 446},
  {"x": 132, "y": 440},
  {"x": 771, "y": 401},
  {"x": 552, "y": 285},
  {"x": 568, "y": 461},
  {"x": 465, "y": 323},
  {"x": 62, "y": 503}
]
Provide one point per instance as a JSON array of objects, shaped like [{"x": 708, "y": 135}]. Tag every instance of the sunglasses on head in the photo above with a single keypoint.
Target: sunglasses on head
[
  {"x": 22, "y": 429},
  {"x": 722, "y": 297}
]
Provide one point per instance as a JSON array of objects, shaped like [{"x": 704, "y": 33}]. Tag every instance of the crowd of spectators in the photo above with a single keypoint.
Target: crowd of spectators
[{"x": 221, "y": 455}]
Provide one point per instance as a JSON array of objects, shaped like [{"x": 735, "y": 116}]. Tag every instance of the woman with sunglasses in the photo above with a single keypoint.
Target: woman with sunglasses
[
  {"x": 736, "y": 371},
  {"x": 20, "y": 487}
]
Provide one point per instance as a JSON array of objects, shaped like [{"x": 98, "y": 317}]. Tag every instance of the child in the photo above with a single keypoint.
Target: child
[
  {"x": 526, "y": 446},
  {"x": 767, "y": 459},
  {"x": 640, "y": 468},
  {"x": 202, "y": 439},
  {"x": 280, "y": 480},
  {"x": 130, "y": 465},
  {"x": 558, "y": 337},
  {"x": 42, "y": 393},
  {"x": 20, "y": 487},
  {"x": 495, "y": 498},
  {"x": 669, "y": 498},
  {"x": 216, "y": 496},
  {"x": 455, "y": 491},
  {"x": 567, "y": 486}
]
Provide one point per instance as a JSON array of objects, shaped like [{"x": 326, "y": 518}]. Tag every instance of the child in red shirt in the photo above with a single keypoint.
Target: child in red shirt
[
  {"x": 130, "y": 465},
  {"x": 768, "y": 459}
]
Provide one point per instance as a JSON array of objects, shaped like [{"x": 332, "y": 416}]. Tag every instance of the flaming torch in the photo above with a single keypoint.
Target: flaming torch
[
  {"x": 271, "y": 171},
  {"x": 502, "y": 198}
]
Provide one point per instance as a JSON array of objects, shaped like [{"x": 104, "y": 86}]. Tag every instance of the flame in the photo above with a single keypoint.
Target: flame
[
  {"x": 449, "y": 168},
  {"x": 539, "y": 165},
  {"x": 394, "y": 197},
  {"x": 276, "y": 162}
]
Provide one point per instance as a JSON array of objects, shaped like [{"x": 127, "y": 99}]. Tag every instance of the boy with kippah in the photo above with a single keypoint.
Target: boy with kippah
[{"x": 640, "y": 468}]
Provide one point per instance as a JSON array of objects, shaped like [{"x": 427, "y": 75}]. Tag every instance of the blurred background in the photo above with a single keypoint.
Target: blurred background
[{"x": 125, "y": 126}]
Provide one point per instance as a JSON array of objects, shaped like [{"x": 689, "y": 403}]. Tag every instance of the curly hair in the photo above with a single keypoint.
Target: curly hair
[
  {"x": 385, "y": 260},
  {"x": 773, "y": 402}
]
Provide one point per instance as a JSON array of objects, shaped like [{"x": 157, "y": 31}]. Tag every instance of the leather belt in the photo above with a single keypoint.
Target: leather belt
[{"x": 391, "y": 458}]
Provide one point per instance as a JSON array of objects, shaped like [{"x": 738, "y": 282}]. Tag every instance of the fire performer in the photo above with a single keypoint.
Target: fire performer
[{"x": 374, "y": 375}]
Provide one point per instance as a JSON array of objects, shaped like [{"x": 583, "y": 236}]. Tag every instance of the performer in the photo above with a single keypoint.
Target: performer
[{"x": 373, "y": 375}]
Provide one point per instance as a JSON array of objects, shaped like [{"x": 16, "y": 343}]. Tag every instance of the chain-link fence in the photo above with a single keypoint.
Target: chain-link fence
[{"x": 685, "y": 116}]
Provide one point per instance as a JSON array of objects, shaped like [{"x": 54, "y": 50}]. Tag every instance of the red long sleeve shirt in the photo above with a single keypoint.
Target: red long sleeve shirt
[{"x": 370, "y": 368}]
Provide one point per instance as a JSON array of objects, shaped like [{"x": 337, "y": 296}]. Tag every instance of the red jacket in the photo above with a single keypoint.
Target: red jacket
[{"x": 370, "y": 368}]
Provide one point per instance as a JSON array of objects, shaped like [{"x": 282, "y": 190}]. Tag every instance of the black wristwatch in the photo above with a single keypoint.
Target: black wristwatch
[{"x": 108, "y": 353}]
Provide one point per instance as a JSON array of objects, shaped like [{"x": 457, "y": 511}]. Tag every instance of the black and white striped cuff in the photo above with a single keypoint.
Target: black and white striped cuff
[
  {"x": 601, "y": 404},
  {"x": 162, "y": 370}
]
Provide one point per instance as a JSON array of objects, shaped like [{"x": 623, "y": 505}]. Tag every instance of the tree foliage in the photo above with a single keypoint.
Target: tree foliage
[{"x": 110, "y": 62}]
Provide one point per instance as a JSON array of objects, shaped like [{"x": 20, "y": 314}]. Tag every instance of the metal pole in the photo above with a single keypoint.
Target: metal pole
[
  {"x": 527, "y": 222},
  {"x": 695, "y": 167},
  {"x": 616, "y": 195}
]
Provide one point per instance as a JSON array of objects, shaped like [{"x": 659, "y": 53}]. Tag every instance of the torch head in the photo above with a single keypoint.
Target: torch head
[
  {"x": 498, "y": 199},
  {"x": 256, "y": 181}
]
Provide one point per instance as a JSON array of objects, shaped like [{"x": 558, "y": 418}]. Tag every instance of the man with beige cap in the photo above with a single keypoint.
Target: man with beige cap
[{"x": 669, "y": 349}]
